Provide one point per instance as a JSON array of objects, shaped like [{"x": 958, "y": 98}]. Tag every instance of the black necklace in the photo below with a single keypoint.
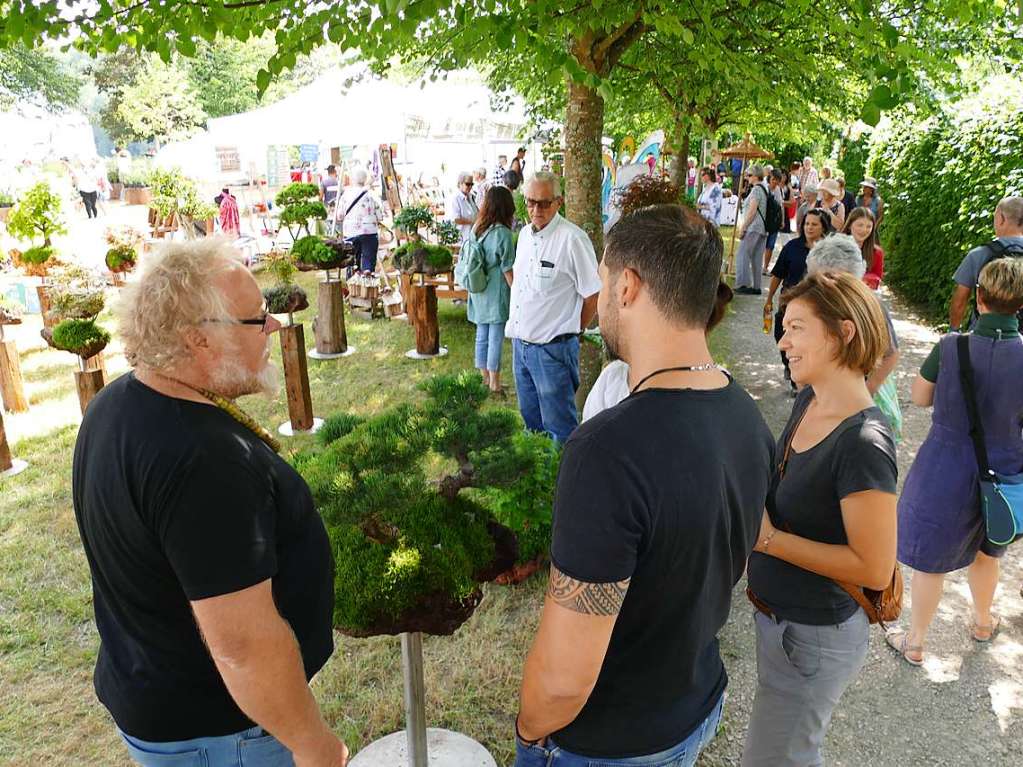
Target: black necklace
[{"x": 679, "y": 369}]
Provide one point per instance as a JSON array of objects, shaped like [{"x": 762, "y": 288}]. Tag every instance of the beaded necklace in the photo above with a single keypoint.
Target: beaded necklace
[{"x": 234, "y": 411}]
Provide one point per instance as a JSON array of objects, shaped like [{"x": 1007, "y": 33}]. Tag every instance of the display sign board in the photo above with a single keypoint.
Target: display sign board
[
  {"x": 278, "y": 167},
  {"x": 309, "y": 152},
  {"x": 228, "y": 159}
]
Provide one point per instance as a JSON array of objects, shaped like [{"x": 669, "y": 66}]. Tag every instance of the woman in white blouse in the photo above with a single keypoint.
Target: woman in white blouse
[{"x": 709, "y": 203}]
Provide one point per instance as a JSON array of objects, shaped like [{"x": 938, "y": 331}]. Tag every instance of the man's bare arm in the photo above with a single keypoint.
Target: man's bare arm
[{"x": 957, "y": 306}]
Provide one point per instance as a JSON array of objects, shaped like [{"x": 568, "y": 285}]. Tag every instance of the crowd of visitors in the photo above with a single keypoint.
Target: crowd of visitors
[{"x": 812, "y": 519}]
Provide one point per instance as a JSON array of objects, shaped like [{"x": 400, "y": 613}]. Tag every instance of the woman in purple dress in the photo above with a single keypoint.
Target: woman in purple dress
[{"x": 941, "y": 528}]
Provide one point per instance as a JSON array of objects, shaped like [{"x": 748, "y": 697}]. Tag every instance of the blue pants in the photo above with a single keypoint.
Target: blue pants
[
  {"x": 683, "y": 754},
  {"x": 546, "y": 379},
  {"x": 249, "y": 748},
  {"x": 366, "y": 247},
  {"x": 489, "y": 339}
]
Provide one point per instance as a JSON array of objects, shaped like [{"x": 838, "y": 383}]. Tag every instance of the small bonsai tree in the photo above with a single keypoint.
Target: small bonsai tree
[
  {"x": 415, "y": 257},
  {"x": 76, "y": 299},
  {"x": 448, "y": 233},
  {"x": 37, "y": 214},
  {"x": 411, "y": 551},
  {"x": 284, "y": 297},
  {"x": 174, "y": 194},
  {"x": 82, "y": 337},
  {"x": 412, "y": 218},
  {"x": 124, "y": 242},
  {"x": 299, "y": 205}
]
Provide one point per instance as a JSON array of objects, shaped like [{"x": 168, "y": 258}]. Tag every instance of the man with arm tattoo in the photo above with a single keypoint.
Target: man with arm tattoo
[{"x": 658, "y": 505}]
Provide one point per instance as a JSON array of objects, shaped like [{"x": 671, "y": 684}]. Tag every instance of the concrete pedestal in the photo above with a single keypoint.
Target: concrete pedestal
[
  {"x": 314, "y": 354},
  {"x": 17, "y": 466},
  {"x": 446, "y": 749},
  {"x": 289, "y": 431},
  {"x": 412, "y": 354}
]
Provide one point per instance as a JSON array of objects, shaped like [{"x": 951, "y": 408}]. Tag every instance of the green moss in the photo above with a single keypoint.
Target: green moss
[
  {"x": 313, "y": 250},
  {"x": 38, "y": 255},
  {"x": 75, "y": 335}
]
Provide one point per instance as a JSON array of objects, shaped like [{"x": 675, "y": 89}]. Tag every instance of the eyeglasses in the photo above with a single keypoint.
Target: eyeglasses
[
  {"x": 466, "y": 183},
  {"x": 540, "y": 204},
  {"x": 263, "y": 321}
]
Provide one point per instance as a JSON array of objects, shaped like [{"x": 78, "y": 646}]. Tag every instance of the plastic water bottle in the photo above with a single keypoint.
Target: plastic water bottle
[{"x": 767, "y": 322}]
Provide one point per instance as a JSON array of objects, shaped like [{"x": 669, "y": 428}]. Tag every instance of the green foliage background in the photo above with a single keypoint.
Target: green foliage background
[{"x": 941, "y": 177}]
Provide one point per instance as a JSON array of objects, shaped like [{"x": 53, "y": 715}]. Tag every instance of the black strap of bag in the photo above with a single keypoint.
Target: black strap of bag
[
  {"x": 970, "y": 390},
  {"x": 356, "y": 201}
]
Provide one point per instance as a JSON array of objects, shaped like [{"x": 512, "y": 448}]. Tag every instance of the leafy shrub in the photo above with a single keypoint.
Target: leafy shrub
[
  {"x": 121, "y": 258},
  {"x": 37, "y": 214},
  {"x": 941, "y": 177},
  {"x": 644, "y": 191},
  {"x": 138, "y": 176},
  {"x": 448, "y": 233},
  {"x": 313, "y": 250},
  {"x": 412, "y": 217},
  {"x": 82, "y": 337},
  {"x": 284, "y": 299},
  {"x": 38, "y": 255},
  {"x": 416, "y": 256},
  {"x": 299, "y": 204},
  {"x": 282, "y": 266},
  {"x": 403, "y": 542},
  {"x": 853, "y": 161}
]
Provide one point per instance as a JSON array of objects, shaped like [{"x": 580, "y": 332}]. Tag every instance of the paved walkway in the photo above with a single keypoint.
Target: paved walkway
[{"x": 965, "y": 705}]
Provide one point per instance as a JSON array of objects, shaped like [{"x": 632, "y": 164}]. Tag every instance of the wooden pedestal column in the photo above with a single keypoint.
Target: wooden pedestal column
[
  {"x": 89, "y": 382},
  {"x": 422, "y": 313},
  {"x": 296, "y": 377},
  {"x": 43, "y": 291},
  {"x": 95, "y": 362},
  {"x": 6, "y": 462},
  {"x": 329, "y": 325},
  {"x": 12, "y": 387}
]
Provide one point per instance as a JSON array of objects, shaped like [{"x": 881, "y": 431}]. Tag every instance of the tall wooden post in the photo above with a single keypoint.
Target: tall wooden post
[
  {"x": 296, "y": 378},
  {"x": 329, "y": 325},
  {"x": 12, "y": 387},
  {"x": 422, "y": 313},
  {"x": 43, "y": 291},
  {"x": 415, "y": 698},
  {"x": 89, "y": 380},
  {"x": 6, "y": 461}
]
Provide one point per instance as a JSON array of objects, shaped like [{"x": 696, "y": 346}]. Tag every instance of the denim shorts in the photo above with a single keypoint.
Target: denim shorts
[
  {"x": 683, "y": 754},
  {"x": 250, "y": 748}
]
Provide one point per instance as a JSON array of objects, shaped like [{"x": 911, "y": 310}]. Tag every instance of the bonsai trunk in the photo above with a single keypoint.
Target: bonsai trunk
[{"x": 584, "y": 128}]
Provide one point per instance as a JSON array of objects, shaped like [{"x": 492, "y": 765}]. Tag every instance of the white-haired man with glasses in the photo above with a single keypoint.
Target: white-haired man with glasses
[
  {"x": 553, "y": 299},
  {"x": 213, "y": 579}
]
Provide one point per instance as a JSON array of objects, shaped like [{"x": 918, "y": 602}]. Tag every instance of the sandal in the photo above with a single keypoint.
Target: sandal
[
  {"x": 897, "y": 640},
  {"x": 988, "y": 632}
]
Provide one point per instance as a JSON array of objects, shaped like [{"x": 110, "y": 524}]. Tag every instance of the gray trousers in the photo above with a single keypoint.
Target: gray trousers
[
  {"x": 802, "y": 672},
  {"x": 749, "y": 260}
]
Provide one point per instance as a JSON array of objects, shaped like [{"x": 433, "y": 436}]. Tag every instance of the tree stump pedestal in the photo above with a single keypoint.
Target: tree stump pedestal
[
  {"x": 418, "y": 746},
  {"x": 421, "y": 307},
  {"x": 43, "y": 291},
  {"x": 89, "y": 380},
  {"x": 9, "y": 466},
  {"x": 296, "y": 383},
  {"x": 329, "y": 326},
  {"x": 12, "y": 386}
]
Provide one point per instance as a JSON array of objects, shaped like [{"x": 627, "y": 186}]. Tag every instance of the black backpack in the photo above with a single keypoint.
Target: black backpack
[
  {"x": 775, "y": 216},
  {"x": 996, "y": 250}
]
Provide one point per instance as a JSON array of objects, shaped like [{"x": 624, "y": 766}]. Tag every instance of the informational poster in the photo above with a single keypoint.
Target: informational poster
[
  {"x": 309, "y": 153},
  {"x": 278, "y": 167},
  {"x": 228, "y": 159}
]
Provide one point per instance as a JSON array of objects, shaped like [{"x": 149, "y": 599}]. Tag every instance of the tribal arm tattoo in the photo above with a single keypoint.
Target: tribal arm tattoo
[{"x": 587, "y": 598}]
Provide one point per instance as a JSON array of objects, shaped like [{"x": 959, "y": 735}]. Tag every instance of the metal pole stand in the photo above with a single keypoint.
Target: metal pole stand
[{"x": 419, "y": 746}]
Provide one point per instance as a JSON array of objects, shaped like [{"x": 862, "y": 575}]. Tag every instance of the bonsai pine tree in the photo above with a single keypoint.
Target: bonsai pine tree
[
  {"x": 411, "y": 549},
  {"x": 412, "y": 218},
  {"x": 299, "y": 205},
  {"x": 284, "y": 296}
]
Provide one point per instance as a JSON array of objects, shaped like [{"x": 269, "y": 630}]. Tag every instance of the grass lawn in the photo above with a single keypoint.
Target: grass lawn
[{"x": 48, "y": 641}]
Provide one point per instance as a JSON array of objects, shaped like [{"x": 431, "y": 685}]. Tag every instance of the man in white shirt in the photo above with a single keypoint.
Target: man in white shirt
[
  {"x": 462, "y": 209},
  {"x": 553, "y": 298},
  {"x": 808, "y": 174},
  {"x": 480, "y": 186}
]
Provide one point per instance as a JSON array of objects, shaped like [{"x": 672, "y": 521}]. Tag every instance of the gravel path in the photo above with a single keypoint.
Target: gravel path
[{"x": 965, "y": 705}]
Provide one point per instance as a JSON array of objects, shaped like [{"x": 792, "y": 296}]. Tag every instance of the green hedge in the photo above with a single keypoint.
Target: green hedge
[{"x": 941, "y": 177}]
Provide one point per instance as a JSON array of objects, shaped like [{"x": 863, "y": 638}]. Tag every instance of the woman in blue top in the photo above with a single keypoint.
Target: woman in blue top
[{"x": 489, "y": 309}]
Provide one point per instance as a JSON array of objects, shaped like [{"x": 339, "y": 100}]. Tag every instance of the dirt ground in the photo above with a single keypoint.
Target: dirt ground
[{"x": 965, "y": 705}]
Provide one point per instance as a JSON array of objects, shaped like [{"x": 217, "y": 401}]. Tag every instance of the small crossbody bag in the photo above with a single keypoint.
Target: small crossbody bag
[{"x": 1001, "y": 495}]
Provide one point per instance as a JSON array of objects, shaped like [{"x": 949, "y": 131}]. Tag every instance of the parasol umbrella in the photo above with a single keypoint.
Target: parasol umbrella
[{"x": 745, "y": 150}]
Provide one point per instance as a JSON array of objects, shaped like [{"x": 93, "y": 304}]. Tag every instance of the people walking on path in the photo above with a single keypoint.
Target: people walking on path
[
  {"x": 789, "y": 270},
  {"x": 846, "y": 195},
  {"x": 497, "y": 177},
  {"x": 1008, "y": 226},
  {"x": 861, "y": 226},
  {"x": 480, "y": 185},
  {"x": 941, "y": 526},
  {"x": 553, "y": 299},
  {"x": 776, "y": 186},
  {"x": 462, "y": 209},
  {"x": 212, "y": 574},
  {"x": 808, "y": 175},
  {"x": 752, "y": 235},
  {"x": 709, "y": 203},
  {"x": 618, "y": 674},
  {"x": 86, "y": 180},
  {"x": 362, "y": 214},
  {"x": 869, "y": 198},
  {"x": 807, "y": 202},
  {"x": 488, "y": 309},
  {"x": 830, "y": 518}
]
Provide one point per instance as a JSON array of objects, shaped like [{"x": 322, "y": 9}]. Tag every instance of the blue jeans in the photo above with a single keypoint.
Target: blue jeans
[
  {"x": 489, "y": 339},
  {"x": 366, "y": 247},
  {"x": 546, "y": 379},
  {"x": 249, "y": 748},
  {"x": 683, "y": 754}
]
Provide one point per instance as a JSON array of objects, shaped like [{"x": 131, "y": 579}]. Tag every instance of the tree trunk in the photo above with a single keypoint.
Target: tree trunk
[
  {"x": 329, "y": 325},
  {"x": 422, "y": 313},
  {"x": 88, "y": 382},
  {"x": 6, "y": 462},
  {"x": 296, "y": 377},
  {"x": 12, "y": 387},
  {"x": 584, "y": 129}
]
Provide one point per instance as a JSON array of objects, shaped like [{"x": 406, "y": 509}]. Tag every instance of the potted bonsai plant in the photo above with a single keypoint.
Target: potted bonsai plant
[
  {"x": 76, "y": 299},
  {"x": 448, "y": 235},
  {"x": 122, "y": 255},
  {"x": 418, "y": 257},
  {"x": 136, "y": 183},
  {"x": 312, "y": 252},
  {"x": 12, "y": 386},
  {"x": 37, "y": 215},
  {"x": 412, "y": 551},
  {"x": 114, "y": 177},
  {"x": 300, "y": 204},
  {"x": 410, "y": 219}
]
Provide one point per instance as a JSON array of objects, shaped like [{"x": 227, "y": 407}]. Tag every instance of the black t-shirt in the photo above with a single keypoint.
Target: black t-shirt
[
  {"x": 667, "y": 488},
  {"x": 790, "y": 267},
  {"x": 858, "y": 455},
  {"x": 177, "y": 501}
]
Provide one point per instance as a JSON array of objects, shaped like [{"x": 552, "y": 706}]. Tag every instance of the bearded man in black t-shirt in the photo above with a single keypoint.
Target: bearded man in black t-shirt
[
  {"x": 211, "y": 570},
  {"x": 658, "y": 505}
]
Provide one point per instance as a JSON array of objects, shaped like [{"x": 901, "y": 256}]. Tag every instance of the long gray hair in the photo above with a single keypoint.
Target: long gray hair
[{"x": 837, "y": 253}]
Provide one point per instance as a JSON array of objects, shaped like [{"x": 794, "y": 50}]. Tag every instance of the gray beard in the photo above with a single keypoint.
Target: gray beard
[{"x": 233, "y": 380}]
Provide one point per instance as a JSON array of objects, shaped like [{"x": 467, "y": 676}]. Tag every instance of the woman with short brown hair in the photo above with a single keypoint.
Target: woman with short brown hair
[{"x": 830, "y": 519}]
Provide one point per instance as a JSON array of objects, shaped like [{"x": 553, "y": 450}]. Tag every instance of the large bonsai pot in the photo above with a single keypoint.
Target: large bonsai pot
[
  {"x": 137, "y": 195},
  {"x": 116, "y": 190}
]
